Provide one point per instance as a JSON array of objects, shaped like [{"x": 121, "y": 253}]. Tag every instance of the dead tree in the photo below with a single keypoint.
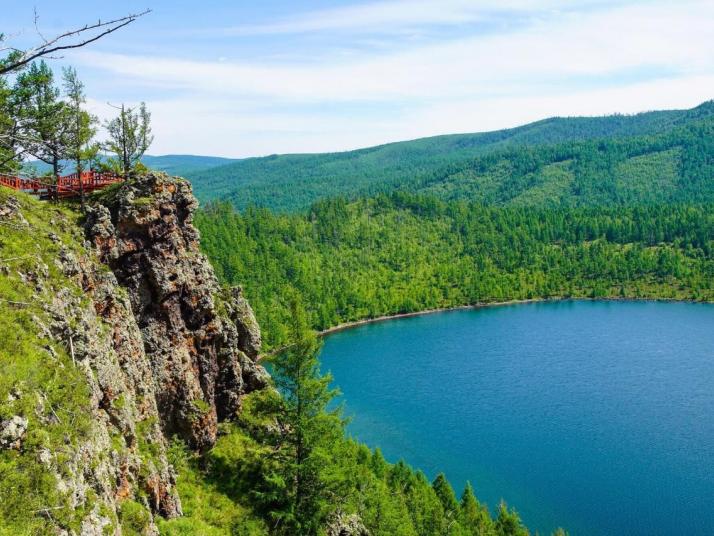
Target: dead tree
[{"x": 89, "y": 33}]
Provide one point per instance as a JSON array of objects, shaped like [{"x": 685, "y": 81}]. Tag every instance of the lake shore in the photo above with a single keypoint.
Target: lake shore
[{"x": 384, "y": 318}]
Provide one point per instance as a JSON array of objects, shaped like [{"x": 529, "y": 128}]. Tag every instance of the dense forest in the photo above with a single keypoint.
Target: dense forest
[
  {"x": 404, "y": 252},
  {"x": 655, "y": 156}
]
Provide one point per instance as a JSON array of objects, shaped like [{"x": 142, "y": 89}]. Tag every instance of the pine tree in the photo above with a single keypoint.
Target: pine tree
[
  {"x": 508, "y": 522},
  {"x": 129, "y": 137},
  {"x": 474, "y": 516},
  {"x": 310, "y": 432},
  {"x": 82, "y": 124},
  {"x": 43, "y": 118},
  {"x": 446, "y": 495}
]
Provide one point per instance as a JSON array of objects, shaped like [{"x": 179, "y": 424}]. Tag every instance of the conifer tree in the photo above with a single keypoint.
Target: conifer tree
[
  {"x": 43, "y": 118},
  {"x": 310, "y": 432},
  {"x": 81, "y": 125},
  {"x": 446, "y": 495},
  {"x": 129, "y": 137},
  {"x": 508, "y": 522},
  {"x": 474, "y": 516}
]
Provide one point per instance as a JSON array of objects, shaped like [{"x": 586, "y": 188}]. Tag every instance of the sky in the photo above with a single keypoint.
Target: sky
[{"x": 251, "y": 78}]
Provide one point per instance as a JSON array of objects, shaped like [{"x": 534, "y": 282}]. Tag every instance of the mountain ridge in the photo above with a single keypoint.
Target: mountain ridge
[{"x": 294, "y": 181}]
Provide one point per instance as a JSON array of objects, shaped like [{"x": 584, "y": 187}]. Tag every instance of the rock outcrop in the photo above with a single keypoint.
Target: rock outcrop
[
  {"x": 127, "y": 314},
  {"x": 201, "y": 361}
]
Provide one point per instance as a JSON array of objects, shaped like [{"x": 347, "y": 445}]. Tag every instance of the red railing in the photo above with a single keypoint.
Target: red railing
[{"x": 63, "y": 187}]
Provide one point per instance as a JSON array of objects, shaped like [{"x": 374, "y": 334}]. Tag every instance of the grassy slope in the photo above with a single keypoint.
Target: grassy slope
[
  {"x": 35, "y": 368},
  {"x": 290, "y": 182}
]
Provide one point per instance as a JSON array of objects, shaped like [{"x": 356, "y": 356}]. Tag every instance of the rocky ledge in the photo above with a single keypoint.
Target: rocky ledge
[{"x": 201, "y": 342}]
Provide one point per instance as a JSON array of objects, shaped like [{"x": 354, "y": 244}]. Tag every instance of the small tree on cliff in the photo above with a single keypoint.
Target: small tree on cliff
[
  {"x": 82, "y": 128},
  {"x": 129, "y": 137},
  {"x": 43, "y": 118},
  {"x": 301, "y": 484}
]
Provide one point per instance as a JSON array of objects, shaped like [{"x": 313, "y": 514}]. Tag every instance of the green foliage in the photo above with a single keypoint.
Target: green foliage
[
  {"x": 403, "y": 253},
  {"x": 212, "y": 500},
  {"x": 129, "y": 138},
  {"x": 81, "y": 124},
  {"x": 474, "y": 516},
  {"x": 508, "y": 523},
  {"x": 237, "y": 486},
  {"x": 135, "y": 518},
  {"x": 43, "y": 119},
  {"x": 300, "y": 484},
  {"x": 561, "y": 161},
  {"x": 39, "y": 381}
]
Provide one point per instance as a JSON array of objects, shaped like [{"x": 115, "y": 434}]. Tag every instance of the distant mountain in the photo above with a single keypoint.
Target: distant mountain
[
  {"x": 173, "y": 164},
  {"x": 458, "y": 166},
  {"x": 182, "y": 164}
]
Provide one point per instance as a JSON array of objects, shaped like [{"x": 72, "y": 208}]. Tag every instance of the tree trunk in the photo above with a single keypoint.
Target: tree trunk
[
  {"x": 55, "y": 176},
  {"x": 81, "y": 182}
]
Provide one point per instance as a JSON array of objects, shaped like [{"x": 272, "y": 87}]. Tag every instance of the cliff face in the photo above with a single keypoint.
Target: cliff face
[
  {"x": 201, "y": 361},
  {"x": 128, "y": 320}
]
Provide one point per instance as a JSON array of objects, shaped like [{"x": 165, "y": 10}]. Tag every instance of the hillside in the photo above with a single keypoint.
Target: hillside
[
  {"x": 294, "y": 182},
  {"x": 96, "y": 376},
  {"x": 131, "y": 400},
  {"x": 403, "y": 253},
  {"x": 181, "y": 164}
]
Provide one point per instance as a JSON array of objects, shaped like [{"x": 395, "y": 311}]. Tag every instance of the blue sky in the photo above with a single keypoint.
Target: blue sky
[{"x": 239, "y": 78}]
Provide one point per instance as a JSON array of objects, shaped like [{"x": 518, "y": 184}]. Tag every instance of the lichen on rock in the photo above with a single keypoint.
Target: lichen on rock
[
  {"x": 202, "y": 362},
  {"x": 136, "y": 343}
]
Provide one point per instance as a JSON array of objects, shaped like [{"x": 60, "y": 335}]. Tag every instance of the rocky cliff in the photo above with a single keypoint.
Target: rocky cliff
[{"x": 128, "y": 316}]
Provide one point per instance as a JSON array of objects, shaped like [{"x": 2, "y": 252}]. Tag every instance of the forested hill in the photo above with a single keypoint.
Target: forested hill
[
  {"x": 646, "y": 157},
  {"x": 402, "y": 253}
]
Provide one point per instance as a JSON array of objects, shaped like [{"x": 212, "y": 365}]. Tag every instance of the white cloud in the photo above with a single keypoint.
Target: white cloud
[
  {"x": 393, "y": 16},
  {"x": 573, "y": 46},
  {"x": 650, "y": 55},
  {"x": 227, "y": 128}
]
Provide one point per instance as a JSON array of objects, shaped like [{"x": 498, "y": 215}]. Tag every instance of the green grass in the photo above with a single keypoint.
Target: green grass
[
  {"x": 209, "y": 507},
  {"x": 38, "y": 380}
]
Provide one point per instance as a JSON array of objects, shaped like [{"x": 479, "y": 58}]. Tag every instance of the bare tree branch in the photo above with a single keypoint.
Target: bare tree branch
[{"x": 63, "y": 41}]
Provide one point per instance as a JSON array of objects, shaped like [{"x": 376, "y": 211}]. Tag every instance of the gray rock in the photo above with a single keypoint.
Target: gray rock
[
  {"x": 202, "y": 362},
  {"x": 346, "y": 525},
  {"x": 12, "y": 432}
]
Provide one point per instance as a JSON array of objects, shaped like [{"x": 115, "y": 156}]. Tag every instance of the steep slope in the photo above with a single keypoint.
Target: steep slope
[
  {"x": 109, "y": 346},
  {"x": 294, "y": 182}
]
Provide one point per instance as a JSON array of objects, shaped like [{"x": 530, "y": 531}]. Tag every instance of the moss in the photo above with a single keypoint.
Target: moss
[
  {"x": 38, "y": 380},
  {"x": 135, "y": 518},
  {"x": 201, "y": 406},
  {"x": 148, "y": 448},
  {"x": 209, "y": 507},
  {"x": 142, "y": 201}
]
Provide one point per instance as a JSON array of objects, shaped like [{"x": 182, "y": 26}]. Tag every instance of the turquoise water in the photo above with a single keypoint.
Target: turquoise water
[{"x": 597, "y": 416}]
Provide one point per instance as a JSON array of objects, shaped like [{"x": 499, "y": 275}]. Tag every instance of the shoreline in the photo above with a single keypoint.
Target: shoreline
[
  {"x": 357, "y": 323},
  {"x": 384, "y": 318}
]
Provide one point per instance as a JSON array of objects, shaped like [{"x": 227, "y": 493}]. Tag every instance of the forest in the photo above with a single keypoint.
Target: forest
[
  {"x": 401, "y": 252},
  {"x": 559, "y": 161}
]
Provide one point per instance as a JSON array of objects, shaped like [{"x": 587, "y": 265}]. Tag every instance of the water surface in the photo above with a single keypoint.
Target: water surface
[{"x": 597, "y": 416}]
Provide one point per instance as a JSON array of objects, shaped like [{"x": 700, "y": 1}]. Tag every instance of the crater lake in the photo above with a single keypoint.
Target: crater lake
[{"x": 597, "y": 416}]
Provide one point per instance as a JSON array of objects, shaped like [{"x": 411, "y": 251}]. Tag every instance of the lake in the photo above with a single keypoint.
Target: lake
[{"x": 597, "y": 416}]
